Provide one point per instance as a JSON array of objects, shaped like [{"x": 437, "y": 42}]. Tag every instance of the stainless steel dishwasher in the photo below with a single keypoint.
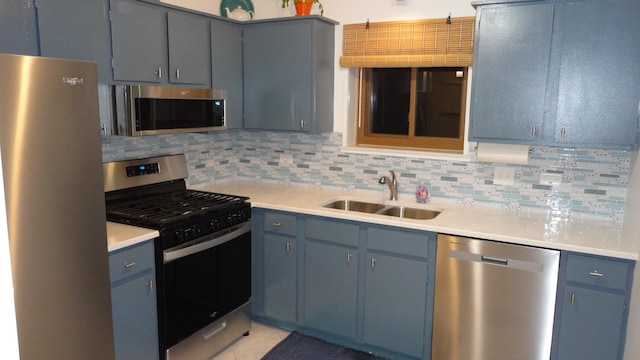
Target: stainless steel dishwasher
[{"x": 493, "y": 300}]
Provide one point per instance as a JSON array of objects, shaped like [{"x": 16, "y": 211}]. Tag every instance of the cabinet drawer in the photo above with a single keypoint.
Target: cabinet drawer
[
  {"x": 598, "y": 271},
  {"x": 333, "y": 230},
  {"x": 131, "y": 261},
  {"x": 280, "y": 223},
  {"x": 398, "y": 241}
]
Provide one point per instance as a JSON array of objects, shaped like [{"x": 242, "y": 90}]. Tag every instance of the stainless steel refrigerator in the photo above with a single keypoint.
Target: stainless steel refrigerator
[{"x": 52, "y": 168}]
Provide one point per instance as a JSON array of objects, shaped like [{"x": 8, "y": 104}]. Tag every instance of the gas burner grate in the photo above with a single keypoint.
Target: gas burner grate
[{"x": 168, "y": 208}]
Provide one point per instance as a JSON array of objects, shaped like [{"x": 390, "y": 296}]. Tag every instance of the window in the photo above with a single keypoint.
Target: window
[{"x": 419, "y": 108}]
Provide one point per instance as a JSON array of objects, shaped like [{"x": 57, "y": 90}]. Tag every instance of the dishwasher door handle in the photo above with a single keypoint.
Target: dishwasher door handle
[{"x": 492, "y": 260}]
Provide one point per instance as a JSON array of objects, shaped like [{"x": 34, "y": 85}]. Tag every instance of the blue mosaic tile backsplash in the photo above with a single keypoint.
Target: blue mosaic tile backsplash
[{"x": 594, "y": 182}]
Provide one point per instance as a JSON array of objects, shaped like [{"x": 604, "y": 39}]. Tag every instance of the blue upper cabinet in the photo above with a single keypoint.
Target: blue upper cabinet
[
  {"x": 189, "y": 49},
  {"x": 171, "y": 48},
  {"x": 18, "y": 27},
  {"x": 288, "y": 74},
  {"x": 76, "y": 29},
  {"x": 557, "y": 73},
  {"x": 226, "y": 67},
  {"x": 599, "y": 82},
  {"x": 510, "y": 70}
]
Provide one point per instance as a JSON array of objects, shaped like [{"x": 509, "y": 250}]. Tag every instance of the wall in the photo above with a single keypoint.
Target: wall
[{"x": 594, "y": 181}]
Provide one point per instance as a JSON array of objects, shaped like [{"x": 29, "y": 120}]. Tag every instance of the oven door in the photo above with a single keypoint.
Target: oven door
[{"x": 206, "y": 280}]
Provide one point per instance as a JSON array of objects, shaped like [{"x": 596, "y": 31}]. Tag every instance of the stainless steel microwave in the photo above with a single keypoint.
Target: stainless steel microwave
[{"x": 157, "y": 110}]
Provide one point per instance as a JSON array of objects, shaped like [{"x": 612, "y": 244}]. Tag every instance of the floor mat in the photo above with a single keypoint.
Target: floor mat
[{"x": 298, "y": 346}]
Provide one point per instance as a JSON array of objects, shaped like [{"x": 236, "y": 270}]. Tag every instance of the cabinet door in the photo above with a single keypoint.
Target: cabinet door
[
  {"x": 139, "y": 52},
  {"x": 395, "y": 303},
  {"x": 135, "y": 325},
  {"x": 599, "y": 75},
  {"x": 591, "y": 324},
  {"x": 189, "y": 52},
  {"x": 18, "y": 26},
  {"x": 76, "y": 29},
  {"x": 226, "y": 67},
  {"x": 280, "y": 288},
  {"x": 277, "y": 76},
  {"x": 330, "y": 290},
  {"x": 511, "y": 63}
]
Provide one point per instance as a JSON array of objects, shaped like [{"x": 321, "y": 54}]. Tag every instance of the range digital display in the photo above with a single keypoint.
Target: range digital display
[{"x": 144, "y": 169}]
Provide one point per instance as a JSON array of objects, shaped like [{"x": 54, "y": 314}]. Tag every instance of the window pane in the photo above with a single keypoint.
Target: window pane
[
  {"x": 390, "y": 96},
  {"x": 438, "y": 102}
]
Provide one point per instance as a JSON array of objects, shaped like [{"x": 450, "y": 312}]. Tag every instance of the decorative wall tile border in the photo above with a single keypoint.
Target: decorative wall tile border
[{"x": 594, "y": 182}]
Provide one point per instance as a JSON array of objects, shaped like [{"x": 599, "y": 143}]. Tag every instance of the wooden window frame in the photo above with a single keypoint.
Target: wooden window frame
[{"x": 408, "y": 142}]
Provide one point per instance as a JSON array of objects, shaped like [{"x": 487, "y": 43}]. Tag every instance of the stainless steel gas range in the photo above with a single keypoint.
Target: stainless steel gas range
[{"x": 203, "y": 254}]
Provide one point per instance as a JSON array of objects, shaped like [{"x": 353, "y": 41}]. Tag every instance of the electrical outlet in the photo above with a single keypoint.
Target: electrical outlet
[
  {"x": 503, "y": 175},
  {"x": 550, "y": 179},
  {"x": 286, "y": 159}
]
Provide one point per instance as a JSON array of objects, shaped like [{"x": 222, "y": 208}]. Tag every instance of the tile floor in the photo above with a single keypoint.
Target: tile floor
[{"x": 253, "y": 347}]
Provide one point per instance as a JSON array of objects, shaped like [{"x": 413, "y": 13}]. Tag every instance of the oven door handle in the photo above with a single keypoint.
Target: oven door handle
[{"x": 172, "y": 255}]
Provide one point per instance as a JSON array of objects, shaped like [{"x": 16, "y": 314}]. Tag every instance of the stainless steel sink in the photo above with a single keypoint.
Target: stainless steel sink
[
  {"x": 382, "y": 209},
  {"x": 410, "y": 213},
  {"x": 354, "y": 205}
]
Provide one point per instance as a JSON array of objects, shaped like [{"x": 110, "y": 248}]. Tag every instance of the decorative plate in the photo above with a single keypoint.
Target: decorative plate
[{"x": 233, "y": 4}]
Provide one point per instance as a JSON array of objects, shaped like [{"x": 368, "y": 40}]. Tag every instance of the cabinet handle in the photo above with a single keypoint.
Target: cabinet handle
[
  {"x": 349, "y": 256},
  {"x": 534, "y": 131},
  {"x": 289, "y": 245},
  {"x": 573, "y": 298},
  {"x": 150, "y": 285},
  {"x": 373, "y": 261},
  {"x": 596, "y": 273},
  {"x": 159, "y": 73},
  {"x": 177, "y": 73},
  {"x": 128, "y": 265},
  {"x": 301, "y": 124},
  {"x": 275, "y": 224},
  {"x": 563, "y": 133}
]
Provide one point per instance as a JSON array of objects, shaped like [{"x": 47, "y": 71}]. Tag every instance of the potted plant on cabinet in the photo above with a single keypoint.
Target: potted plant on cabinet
[{"x": 303, "y": 7}]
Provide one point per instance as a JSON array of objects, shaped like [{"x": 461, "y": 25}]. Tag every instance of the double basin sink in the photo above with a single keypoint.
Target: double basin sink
[{"x": 399, "y": 211}]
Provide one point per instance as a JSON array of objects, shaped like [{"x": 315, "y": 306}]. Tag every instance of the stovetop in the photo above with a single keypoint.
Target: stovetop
[
  {"x": 152, "y": 193},
  {"x": 166, "y": 209}
]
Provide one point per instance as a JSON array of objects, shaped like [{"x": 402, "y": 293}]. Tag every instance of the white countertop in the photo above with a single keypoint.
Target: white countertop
[
  {"x": 542, "y": 230},
  {"x": 120, "y": 236}
]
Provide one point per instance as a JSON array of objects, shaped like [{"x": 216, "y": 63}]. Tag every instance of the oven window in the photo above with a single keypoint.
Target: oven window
[
  {"x": 162, "y": 114},
  {"x": 202, "y": 287}
]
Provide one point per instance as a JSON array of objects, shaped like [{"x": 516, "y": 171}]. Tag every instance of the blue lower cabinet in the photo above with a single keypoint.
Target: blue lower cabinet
[
  {"x": 280, "y": 278},
  {"x": 133, "y": 301},
  {"x": 331, "y": 275},
  {"x": 274, "y": 278},
  {"x": 592, "y": 310},
  {"x": 396, "y": 324},
  {"x": 364, "y": 286},
  {"x": 331, "y": 287},
  {"x": 398, "y": 299}
]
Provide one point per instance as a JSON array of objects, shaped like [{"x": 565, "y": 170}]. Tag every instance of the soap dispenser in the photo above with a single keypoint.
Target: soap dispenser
[{"x": 421, "y": 194}]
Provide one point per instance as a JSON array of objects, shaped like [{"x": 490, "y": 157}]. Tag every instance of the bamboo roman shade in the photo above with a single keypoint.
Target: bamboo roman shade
[{"x": 421, "y": 43}]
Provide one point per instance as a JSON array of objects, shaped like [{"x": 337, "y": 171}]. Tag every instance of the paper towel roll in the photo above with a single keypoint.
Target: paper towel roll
[{"x": 503, "y": 153}]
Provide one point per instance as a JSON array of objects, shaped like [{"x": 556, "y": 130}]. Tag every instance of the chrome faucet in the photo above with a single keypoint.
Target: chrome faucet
[{"x": 392, "y": 183}]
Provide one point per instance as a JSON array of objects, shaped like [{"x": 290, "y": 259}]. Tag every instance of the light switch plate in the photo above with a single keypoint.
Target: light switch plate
[{"x": 504, "y": 175}]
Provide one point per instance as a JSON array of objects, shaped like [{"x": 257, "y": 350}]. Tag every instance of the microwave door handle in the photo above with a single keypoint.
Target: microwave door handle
[{"x": 189, "y": 250}]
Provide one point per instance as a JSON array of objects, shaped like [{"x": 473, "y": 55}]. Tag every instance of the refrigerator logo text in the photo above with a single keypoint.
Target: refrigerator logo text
[{"x": 73, "y": 81}]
